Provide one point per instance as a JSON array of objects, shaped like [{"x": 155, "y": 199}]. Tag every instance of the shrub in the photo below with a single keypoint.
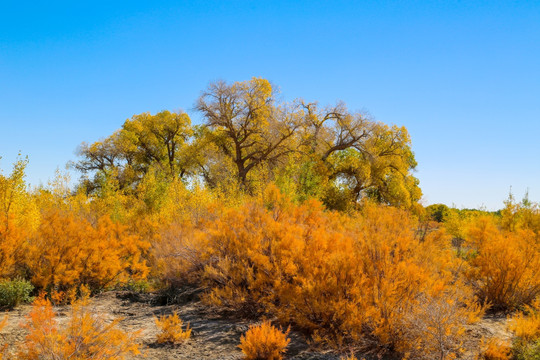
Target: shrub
[
  {"x": 12, "y": 243},
  {"x": 350, "y": 357},
  {"x": 504, "y": 272},
  {"x": 85, "y": 336},
  {"x": 182, "y": 253},
  {"x": 171, "y": 330},
  {"x": 264, "y": 342},
  {"x": 526, "y": 350},
  {"x": 358, "y": 279},
  {"x": 436, "y": 324},
  {"x": 14, "y": 292},
  {"x": 68, "y": 251},
  {"x": 139, "y": 286},
  {"x": 19, "y": 217},
  {"x": 526, "y": 327},
  {"x": 496, "y": 349}
]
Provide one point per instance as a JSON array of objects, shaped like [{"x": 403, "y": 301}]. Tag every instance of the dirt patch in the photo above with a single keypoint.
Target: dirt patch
[{"x": 214, "y": 335}]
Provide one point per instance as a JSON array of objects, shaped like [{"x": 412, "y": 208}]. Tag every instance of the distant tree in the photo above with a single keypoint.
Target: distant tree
[{"x": 438, "y": 212}]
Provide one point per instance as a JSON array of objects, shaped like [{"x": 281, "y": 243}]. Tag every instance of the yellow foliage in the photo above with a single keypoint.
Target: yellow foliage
[
  {"x": 504, "y": 265},
  {"x": 86, "y": 336},
  {"x": 16, "y": 204},
  {"x": 181, "y": 254},
  {"x": 171, "y": 329},
  {"x": 526, "y": 325},
  {"x": 435, "y": 326},
  {"x": 19, "y": 217},
  {"x": 360, "y": 279},
  {"x": 526, "y": 328},
  {"x": 264, "y": 342},
  {"x": 68, "y": 251},
  {"x": 13, "y": 240},
  {"x": 496, "y": 349}
]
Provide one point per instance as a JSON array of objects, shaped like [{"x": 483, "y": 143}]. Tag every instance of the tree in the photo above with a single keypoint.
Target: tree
[
  {"x": 247, "y": 124},
  {"x": 358, "y": 157},
  {"x": 145, "y": 141},
  {"x": 250, "y": 138},
  {"x": 16, "y": 204},
  {"x": 19, "y": 218},
  {"x": 438, "y": 212}
]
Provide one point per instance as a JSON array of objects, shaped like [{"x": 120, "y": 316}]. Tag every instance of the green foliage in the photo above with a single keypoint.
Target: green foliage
[
  {"x": 437, "y": 212},
  {"x": 526, "y": 350},
  {"x": 526, "y": 327},
  {"x": 14, "y": 292},
  {"x": 139, "y": 286}
]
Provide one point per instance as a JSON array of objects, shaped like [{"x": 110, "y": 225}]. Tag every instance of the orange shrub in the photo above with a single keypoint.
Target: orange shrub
[
  {"x": 180, "y": 254},
  {"x": 526, "y": 325},
  {"x": 171, "y": 329},
  {"x": 12, "y": 245},
  {"x": 343, "y": 279},
  {"x": 365, "y": 280},
  {"x": 264, "y": 342},
  {"x": 504, "y": 267},
  {"x": 526, "y": 328},
  {"x": 246, "y": 247},
  {"x": 19, "y": 217},
  {"x": 85, "y": 336},
  {"x": 496, "y": 350},
  {"x": 435, "y": 326},
  {"x": 68, "y": 251}
]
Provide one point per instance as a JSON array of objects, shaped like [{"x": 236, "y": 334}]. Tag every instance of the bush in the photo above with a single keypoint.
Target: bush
[
  {"x": 526, "y": 327},
  {"x": 504, "y": 271},
  {"x": 496, "y": 350},
  {"x": 526, "y": 350},
  {"x": 12, "y": 245},
  {"x": 363, "y": 280},
  {"x": 69, "y": 251},
  {"x": 14, "y": 292},
  {"x": 171, "y": 330},
  {"x": 435, "y": 326},
  {"x": 264, "y": 342},
  {"x": 85, "y": 336},
  {"x": 139, "y": 286}
]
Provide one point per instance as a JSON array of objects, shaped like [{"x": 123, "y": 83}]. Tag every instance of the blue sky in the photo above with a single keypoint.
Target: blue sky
[{"x": 462, "y": 76}]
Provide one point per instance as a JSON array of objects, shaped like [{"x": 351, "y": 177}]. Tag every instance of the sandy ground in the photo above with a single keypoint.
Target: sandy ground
[{"x": 214, "y": 336}]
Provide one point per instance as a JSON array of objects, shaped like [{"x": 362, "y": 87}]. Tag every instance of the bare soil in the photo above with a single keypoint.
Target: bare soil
[{"x": 214, "y": 335}]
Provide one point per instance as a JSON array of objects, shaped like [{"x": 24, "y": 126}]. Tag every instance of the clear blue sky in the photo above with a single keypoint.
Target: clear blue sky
[{"x": 463, "y": 77}]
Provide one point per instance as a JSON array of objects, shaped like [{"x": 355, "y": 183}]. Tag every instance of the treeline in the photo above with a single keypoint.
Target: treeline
[
  {"x": 308, "y": 217},
  {"x": 249, "y": 137}
]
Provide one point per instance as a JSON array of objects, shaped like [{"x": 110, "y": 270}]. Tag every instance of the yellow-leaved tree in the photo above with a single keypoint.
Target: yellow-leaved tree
[{"x": 19, "y": 218}]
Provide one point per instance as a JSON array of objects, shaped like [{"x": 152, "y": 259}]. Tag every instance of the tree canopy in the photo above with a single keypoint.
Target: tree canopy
[{"x": 250, "y": 137}]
